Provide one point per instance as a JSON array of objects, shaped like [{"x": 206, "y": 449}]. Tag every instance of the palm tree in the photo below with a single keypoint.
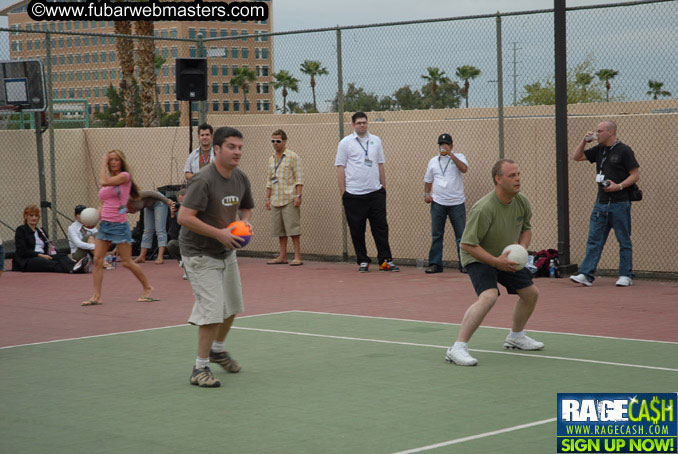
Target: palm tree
[
  {"x": 467, "y": 73},
  {"x": 285, "y": 80},
  {"x": 125, "y": 49},
  {"x": 242, "y": 77},
  {"x": 584, "y": 79},
  {"x": 606, "y": 75},
  {"x": 313, "y": 68},
  {"x": 656, "y": 89},
  {"x": 435, "y": 77},
  {"x": 147, "y": 76}
]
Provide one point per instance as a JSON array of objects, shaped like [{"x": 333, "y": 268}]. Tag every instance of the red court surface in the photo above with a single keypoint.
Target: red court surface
[{"x": 38, "y": 307}]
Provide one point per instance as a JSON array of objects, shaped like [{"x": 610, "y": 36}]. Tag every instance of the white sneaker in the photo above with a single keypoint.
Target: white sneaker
[
  {"x": 184, "y": 277},
  {"x": 624, "y": 281},
  {"x": 460, "y": 356},
  {"x": 581, "y": 279},
  {"x": 522, "y": 343}
]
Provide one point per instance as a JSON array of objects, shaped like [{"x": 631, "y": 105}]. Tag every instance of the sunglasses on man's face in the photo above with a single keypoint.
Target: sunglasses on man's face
[{"x": 276, "y": 141}]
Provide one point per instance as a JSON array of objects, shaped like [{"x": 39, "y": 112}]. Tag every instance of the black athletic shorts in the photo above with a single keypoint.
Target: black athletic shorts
[{"x": 485, "y": 277}]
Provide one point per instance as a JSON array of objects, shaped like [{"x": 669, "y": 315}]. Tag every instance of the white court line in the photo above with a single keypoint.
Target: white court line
[
  {"x": 490, "y": 327},
  {"x": 412, "y": 344},
  {"x": 124, "y": 332},
  {"x": 476, "y": 437}
]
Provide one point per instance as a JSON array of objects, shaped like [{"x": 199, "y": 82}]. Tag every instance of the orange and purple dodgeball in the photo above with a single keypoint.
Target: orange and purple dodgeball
[{"x": 242, "y": 230}]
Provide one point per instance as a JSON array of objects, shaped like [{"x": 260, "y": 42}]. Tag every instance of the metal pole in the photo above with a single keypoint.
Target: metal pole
[
  {"x": 202, "y": 107},
  {"x": 500, "y": 88},
  {"x": 41, "y": 176},
  {"x": 340, "y": 109},
  {"x": 560, "y": 28},
  {"x": 50, "y": 125},
  {"x": 190, "y": 126}
]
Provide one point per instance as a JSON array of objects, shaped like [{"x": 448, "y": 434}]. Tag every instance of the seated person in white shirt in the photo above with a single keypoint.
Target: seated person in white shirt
[{"x": 81, "y": 237}]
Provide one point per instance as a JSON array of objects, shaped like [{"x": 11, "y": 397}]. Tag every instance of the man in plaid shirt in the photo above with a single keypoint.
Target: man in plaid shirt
[{"x": 284, "y": 184}]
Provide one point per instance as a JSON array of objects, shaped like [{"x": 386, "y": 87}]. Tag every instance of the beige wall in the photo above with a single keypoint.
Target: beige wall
[{"x": 158, "y": 155}]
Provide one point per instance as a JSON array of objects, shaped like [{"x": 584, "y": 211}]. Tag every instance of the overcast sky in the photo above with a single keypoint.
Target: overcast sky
[{"x": 301, "y": 14}]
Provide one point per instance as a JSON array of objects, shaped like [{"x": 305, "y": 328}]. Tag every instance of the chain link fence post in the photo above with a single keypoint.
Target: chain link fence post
[
  {"x": 340, "y": 110},
  {"x": 500, "y": 88}
]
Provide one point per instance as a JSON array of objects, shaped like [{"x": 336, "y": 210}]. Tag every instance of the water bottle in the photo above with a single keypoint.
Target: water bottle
[
  {"x": 114, "y": 261},
  {"x": 552, "y": 268}
]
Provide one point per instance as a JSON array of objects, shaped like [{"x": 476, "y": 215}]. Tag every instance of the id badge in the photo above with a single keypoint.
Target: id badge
[
  {"x": 600, "y": 178},
  {"x": 442, "y": 183},
  {"x": 368, "y": 163},
  {"x": 274, "y": 180}
]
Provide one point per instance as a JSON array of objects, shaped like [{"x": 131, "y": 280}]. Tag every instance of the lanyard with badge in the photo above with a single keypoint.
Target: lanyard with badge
[
  {"x": 274, "y": 180},
  {"x": 368, "y": 162},
  {"x": 443, "y": 182},
  {"x": 600, "y": 178}
]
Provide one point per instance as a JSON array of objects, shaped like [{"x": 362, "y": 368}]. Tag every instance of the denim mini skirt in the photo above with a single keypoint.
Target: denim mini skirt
[{"x": 115, "y": 232}]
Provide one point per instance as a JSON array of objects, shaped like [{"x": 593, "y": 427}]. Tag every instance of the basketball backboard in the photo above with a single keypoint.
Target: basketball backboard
[{"x": 22, "y": 84}]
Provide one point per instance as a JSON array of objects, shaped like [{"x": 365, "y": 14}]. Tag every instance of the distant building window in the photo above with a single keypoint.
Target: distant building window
[
  {"x": 215, "y": 106},
  {"x": 227, "y": 106},
  {"x": 244, "y": 52}
]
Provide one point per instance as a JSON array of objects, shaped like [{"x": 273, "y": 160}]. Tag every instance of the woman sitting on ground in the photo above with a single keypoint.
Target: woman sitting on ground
[{"x": 36, "y": 253}]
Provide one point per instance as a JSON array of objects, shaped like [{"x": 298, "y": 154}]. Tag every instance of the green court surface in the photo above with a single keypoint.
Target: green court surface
[{"x": 311, "y": 383}]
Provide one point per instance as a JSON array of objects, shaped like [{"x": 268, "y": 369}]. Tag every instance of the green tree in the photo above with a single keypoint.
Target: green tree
[
  {"x": 406, "y": 99},
  {"x": 449, "y": 96},
  {"x": 313, "y": 68},
  {"x": 283, "y": 79},
  {"x": 605, "y": 76},
  {"x": 125, "y": 50},
  {"x": 116, "y": 115},
  {"x": 294, "y": 107},
  {"x": 584, "y": 80},
  {"x": 308, "y": 107},
  {"x": 147, "y": 75},
  {"x": 356, "y": 99},
  {"x": 467, "y": 73},
  {"x": 242, "y": 78},
  {"x": 544, "y": 93},
  {"x": 435, "y": 77},
  {"x": 657, "y": 89}
]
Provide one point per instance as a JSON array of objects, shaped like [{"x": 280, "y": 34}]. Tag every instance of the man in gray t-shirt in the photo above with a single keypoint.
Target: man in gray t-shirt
[{"x": 215, "y": 196}]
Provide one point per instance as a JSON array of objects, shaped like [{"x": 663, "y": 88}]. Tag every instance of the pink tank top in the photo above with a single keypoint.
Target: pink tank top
[{"x": 113, "y": 198}]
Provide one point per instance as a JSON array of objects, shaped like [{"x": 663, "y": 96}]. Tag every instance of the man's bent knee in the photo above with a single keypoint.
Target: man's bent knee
[{"x": 489, "y": 296}]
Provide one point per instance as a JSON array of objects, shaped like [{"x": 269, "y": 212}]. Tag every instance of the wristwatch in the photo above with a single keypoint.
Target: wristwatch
[{"x": 298, "y": 195}]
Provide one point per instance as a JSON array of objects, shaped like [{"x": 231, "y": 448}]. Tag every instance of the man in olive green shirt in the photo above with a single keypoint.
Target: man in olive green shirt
[{"x": 500, "y": 218}]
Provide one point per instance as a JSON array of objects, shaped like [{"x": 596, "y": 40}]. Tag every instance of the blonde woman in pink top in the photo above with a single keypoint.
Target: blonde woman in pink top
[{"x": 117, "y": 188}]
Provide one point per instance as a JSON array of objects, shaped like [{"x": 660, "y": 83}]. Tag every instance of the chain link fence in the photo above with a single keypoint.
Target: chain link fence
[{"x": 486, "y": 80}]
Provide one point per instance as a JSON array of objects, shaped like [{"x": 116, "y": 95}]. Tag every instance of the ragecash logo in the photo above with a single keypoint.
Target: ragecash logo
[{"x": 615, "y": 422}]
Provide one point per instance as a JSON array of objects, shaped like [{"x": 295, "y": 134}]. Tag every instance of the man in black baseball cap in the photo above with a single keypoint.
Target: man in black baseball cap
[
  {"x": 444, "y": 190},
  {"x": 444, "y": 138}
]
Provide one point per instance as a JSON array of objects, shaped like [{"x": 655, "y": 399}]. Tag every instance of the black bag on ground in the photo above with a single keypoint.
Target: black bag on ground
[{"x": 635, "y": 193}]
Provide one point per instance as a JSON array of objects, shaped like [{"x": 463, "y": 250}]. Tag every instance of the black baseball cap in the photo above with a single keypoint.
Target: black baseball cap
[
  {"x": 445, "y": 138},
  {"x": 79, "y": 208}
]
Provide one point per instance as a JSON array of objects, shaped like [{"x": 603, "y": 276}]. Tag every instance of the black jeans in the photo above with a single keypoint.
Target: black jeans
[
  {"x": 60, "y": 263},
  {"x": 360, "y": 208}
]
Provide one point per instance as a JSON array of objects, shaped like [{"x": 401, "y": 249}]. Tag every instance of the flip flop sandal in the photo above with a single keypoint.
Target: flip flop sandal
[
  {"x": 296, "y": 263},
  {"x": 276, "y": 262},
  {"x": 146, "y": 299},
  {"x": 91, "y": 303}
]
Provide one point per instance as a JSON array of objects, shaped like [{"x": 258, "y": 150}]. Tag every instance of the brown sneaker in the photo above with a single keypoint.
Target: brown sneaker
[
  {"x": 204, "y": 378},
  {"x": 225, "y": 361}
]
